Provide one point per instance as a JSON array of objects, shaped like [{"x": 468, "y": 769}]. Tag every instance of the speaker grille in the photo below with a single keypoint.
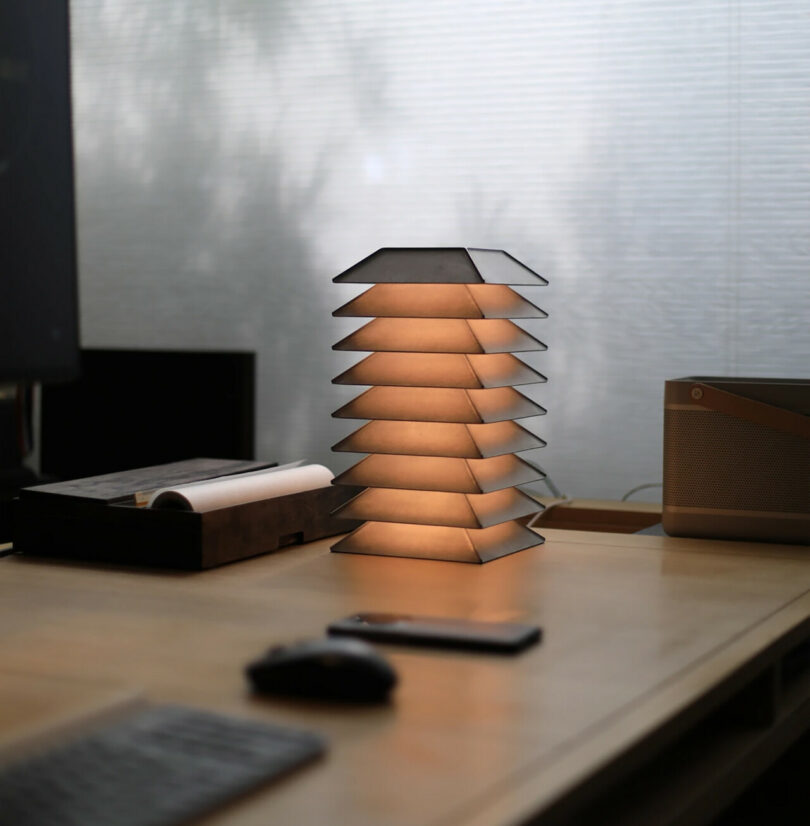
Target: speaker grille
[{"x": 712, "y": 460}]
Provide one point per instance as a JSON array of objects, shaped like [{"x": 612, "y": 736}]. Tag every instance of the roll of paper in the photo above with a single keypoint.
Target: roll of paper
[{"x": 226, "y": 491}]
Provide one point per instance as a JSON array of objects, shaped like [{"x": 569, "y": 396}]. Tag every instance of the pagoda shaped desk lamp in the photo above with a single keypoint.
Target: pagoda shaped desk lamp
[{"x": 440, "y": 478}]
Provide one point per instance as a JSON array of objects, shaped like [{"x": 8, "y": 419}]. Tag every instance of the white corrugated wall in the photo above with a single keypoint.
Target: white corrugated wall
[{"x": 649, "y": 157}]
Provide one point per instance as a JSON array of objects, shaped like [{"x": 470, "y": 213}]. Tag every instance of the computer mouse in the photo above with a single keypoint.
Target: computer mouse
[{"x": 331, "y": 668}]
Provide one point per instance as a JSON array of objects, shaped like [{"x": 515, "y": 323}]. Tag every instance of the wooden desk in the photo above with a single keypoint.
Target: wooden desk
[{"x": 664, "y": 683}]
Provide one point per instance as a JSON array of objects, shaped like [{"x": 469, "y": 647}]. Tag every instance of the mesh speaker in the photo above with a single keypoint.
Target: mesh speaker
[{"x": 737, "y": 459}]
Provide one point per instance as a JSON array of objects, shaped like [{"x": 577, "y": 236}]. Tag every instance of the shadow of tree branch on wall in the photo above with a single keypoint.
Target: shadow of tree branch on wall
[{"x": 195, "y": 226}]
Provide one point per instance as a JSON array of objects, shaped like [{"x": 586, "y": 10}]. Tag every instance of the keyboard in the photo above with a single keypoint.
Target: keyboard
[{"x": 159, "y": 766}]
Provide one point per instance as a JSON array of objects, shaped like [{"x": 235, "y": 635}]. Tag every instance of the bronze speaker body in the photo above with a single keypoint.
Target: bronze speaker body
[{"x": 737, "y": 459}]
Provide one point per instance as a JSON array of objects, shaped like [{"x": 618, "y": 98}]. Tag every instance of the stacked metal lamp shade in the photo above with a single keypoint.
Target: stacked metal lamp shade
[{"x": 441, "y": 472}]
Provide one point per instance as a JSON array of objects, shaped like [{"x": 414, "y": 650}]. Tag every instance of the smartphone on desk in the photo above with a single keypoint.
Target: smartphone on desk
[{"x": 438, "y": 632}]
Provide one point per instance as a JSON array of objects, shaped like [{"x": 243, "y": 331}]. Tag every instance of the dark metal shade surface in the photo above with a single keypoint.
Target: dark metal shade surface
[{"x": 441, "y": 265}]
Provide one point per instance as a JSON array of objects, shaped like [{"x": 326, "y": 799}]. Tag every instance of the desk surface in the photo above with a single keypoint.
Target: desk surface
[{"x": 643, "y": 636}]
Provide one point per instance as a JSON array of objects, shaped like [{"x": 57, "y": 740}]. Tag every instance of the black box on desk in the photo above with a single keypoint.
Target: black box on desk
[
  {"x": 737, "y": 459},
  {"x": 99, "y": 519}
]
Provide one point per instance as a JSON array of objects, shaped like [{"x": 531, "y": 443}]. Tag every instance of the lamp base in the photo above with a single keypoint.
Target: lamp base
[{"x": 439, "y": 542}]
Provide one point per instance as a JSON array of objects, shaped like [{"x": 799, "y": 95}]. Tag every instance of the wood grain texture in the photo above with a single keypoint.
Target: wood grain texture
[
  {"x": 35, "y": 711},
  {"x": 639, "y": 631},
  {"x": 125, "y": 534}
]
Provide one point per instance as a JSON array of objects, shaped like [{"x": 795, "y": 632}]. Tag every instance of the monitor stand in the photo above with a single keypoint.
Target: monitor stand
[{"x": 15, "y": 443}]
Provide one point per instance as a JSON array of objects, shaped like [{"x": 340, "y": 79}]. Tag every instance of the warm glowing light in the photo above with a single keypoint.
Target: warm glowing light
[
  {"x": 424, "y": 507},
  {"x": 432, "y": 542},
  {"x": 440, "y": 478},
  {"x": 464, "y": 441},
  {"x": 440, "y": 370},
  {"x": 440, "y": 335},
  {"x": 439, "y": 404},
  {"x": 440, "y": 473}
]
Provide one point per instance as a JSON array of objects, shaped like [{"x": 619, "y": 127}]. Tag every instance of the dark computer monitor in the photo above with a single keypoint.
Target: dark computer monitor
[
  {"x": 39, "y": 333},
  {"x": 39, "y": 338},
  {"x": 133, "y": 408}
]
